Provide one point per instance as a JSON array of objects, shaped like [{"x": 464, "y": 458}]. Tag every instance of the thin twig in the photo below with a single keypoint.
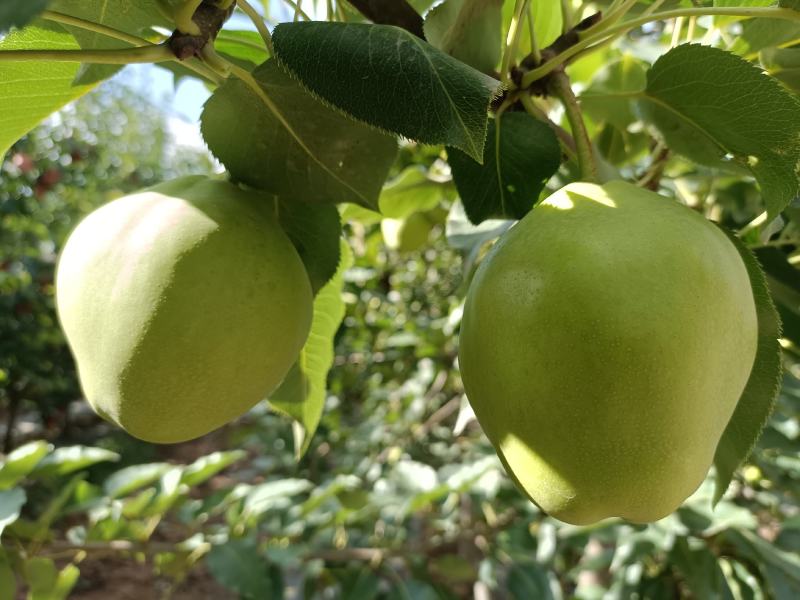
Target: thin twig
[
  {"x": 57, "y": 17},
  {"x": 258, "y": 22},
  {"x": 548, "y": 67},
  {"x": 193, "y": 64},
  {"x": 566, "y": 140},
  {"x": 123, "y": 56},
  {"x": 561, "y": 87}
]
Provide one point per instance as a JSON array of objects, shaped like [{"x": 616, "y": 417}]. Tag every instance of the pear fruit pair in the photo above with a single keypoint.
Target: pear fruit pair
[
  {"x": 184, "y": 305},
  {"x": 605, "y": 342}
]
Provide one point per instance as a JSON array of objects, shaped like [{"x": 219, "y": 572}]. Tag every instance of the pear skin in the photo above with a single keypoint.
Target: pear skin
[
  {"x": 184, "y": 305},
  {"x": 605, "y": 342}
]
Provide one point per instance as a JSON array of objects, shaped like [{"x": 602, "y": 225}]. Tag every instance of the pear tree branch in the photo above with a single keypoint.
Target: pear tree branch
[{"x": 391, "y": 12}]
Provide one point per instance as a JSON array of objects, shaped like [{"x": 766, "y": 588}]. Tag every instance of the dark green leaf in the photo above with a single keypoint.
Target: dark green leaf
[
  {"x": 391, "y": 79},
  {"x": 364, "y": 586},
  {"x": 292, "y": 145},
  {"x": 17, "y": 14},
  {"x": 469, "y": 30},
  {"x": 700, "y": 570},
  {"x": 522, "y": 154},
  {"x": 302, "y": 393},
  {"x": 709, "y": 104},
  {"x": 620, "y": 146},
  {"x": 781, "y": 569},
  {"x": 528, "y": 581},
  {"x": 758, "y": 397},
  {"x": 413, "y": 589},
  {"x": 784, "y": 286},
  {"x": 238, "y": 566},
  {"x": 56, "y": 505},
  {"x": 315, "y": 231}
]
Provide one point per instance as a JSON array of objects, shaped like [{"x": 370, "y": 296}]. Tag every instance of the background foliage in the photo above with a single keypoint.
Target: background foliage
[{"x": 399, "y": 494}]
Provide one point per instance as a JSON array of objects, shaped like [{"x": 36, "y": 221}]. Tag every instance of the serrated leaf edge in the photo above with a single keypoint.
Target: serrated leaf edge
[
  {"x": 495, "y": 92},
  {"x": 757, "y": 283}
]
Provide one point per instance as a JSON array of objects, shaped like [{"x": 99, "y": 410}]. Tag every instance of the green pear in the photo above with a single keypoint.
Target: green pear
[
  {"x": 605, "y": 342},
  {"x": 184, "y": 305}
]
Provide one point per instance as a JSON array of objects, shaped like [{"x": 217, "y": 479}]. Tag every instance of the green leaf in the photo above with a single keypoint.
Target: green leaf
[
  {"x": 315, "y": 231},
  {"x": 781, "y": 569},
  {"x": 170, "y": 488},
  {"x": 620, "y": 146},
  {"x": 469, "y": 30},
  {"x": 783, "y": 64},
  {"x": 11, "y": 502},
  {"x": 238, "y": 566},
  {"x": 547, "y": 24},
  {"x": 46, "y": 582},
  {"x": 391, "y": 79},
  {"x": 608, "y": 98},
  {"x": 56, "y": 505},
  {"x": 274, "y": 494},
  {"x": 68, "y": 459},
  {"x": 302, "y": 393},
  {"x": 129, "y": 479},
  {"x": 206, "y": 467},
  {"x": 528, "y": 581},
  {"x": 758, "y": 397},
  {"x": 135, "y": 18},
  {"x": 784, "y": 286},
  {"x": 245, "y": 48},
  {"x": 8, "y": 581},
  {"x": 21, "y": 461},
  {"x": 18, "y": 14},
  {"x": 364, "y": 585},
  {"x": 30, "y": 91},
  {"x": 709, "y": 103},
  {"x": 758, "y": 34},
  {"x": 522, "y": 154},
  {"x": 298, "y": 147},
  {"x": 411, "y": 191},
  {"x": 700, "y": 570},
  {"x": 413, "y": 589}
]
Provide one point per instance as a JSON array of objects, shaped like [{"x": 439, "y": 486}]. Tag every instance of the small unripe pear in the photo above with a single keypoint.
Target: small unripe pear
[
  {"x": 605, "y": 343},
  {"x": 407, "y": 235},
  {"x": 184, "y": 305}
]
